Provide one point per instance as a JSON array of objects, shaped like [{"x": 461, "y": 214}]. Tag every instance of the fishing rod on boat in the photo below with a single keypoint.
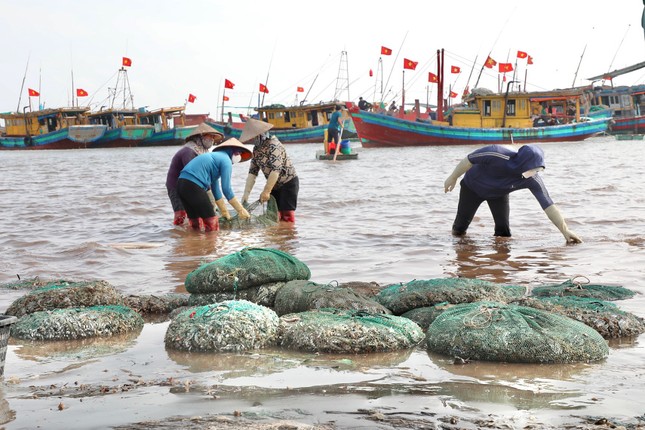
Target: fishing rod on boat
[{"x": 616, "y": 53}]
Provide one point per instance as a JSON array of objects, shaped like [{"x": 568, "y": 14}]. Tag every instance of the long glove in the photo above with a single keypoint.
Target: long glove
[
  {"x": 271, "y": 180},
  {"x": 556, "y": 218},
  {"x": 250, "y": 181},
  {"x": 241, "y": 212},
  {"x": 222, "y": 208},
  {"x": 461, "y": 168}
]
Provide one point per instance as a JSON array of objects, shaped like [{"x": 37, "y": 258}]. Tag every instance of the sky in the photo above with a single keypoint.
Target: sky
[{"x": 192, "y": 46}]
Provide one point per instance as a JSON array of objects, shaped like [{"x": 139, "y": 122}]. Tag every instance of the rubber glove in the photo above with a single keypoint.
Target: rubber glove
[
  {"x": 250, "y": 181},
  {"x": 180, "y": 217},
  {"x": 241, "y": 212},
  {"x": 265, "y": 195},
  {"x": 556, "y": 218},
  {"x": 461, "y": 168},
  {"x": 222, "y": 208}
]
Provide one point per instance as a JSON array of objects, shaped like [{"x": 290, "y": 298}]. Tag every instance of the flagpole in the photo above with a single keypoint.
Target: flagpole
[
  {"x": 403, "y": 93},
  {"x": 394, "y": 63}
]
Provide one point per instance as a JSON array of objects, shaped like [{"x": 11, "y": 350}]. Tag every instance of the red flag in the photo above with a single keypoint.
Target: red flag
[
  {"x": 409, "y": 64},
  {"x": 225, "y": 98},
  {"x": 301, "y": 90},
  {"x": 127, "y": 62},
  {"x": 33, "y": 93},
  {"x": 385, "y": 51},
  {"x": 454, "y": 69},
  {"x": 522, "y": 54},
  {"x": 371, "y": 73},
  {"x": 81, "y": 92},
  {"x": 607, "y": 78},
  {"x": 466, "y": 92},
  {"x": 432, "y": 77},
  {"x": 453, "y": 94},
  {"x": 264, "y": 89},
  {"x": 505, "y": 67},
  {"x": 191, "y": 98},
  {"x": 490, "y": 63},
  {"x": 529, "y": 60},
  {"x": 228, "y": 84}
]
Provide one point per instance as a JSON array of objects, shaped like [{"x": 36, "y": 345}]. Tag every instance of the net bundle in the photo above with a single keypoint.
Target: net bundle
[
  {"x": 250, "y": 267},
  {"x": 64, "y": 294},
  {"x": 301, "y": 295},
  {"x": 156, "y": 304},
  {"x": 400, "y": 298},
  {"x": 424, "y": 316},
  {"x": 233, "y": 325},
  {"x": 261, "y": 215},
  {"x": 263, "y": 295},
  {"x": 582, "y": 287},
  {"x": 347, "y": 331},
  {"x": 77, "y": 323},
  {"x": 31, "y": 283},
  {"x": 491, "y": 331}
]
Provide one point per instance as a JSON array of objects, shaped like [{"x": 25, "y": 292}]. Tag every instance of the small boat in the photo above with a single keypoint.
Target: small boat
[
  {"x": 55, "y": 128},
  {"x": 322, "y": 155},
  {"x": 168, "y": 126},
  {"x": 629, "y": 136},
  {"x": 123, "y": 129}
]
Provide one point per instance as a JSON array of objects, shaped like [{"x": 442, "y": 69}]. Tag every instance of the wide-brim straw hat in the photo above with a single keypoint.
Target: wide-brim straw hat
[
  {"x": 203, "y": 129},
  {"x": 235, "y": 144},
  {"x": 254, "y": 128}
]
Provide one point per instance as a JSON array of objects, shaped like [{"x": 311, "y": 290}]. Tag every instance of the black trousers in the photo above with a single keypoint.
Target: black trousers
[
  {"x": 287, "y": 195},
  {"x": 195, "y": 199},
  {"x": 469, "y": 202}
]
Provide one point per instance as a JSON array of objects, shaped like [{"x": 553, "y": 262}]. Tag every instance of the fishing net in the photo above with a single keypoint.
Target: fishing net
[
  {"x": 582, "y": 287},
  {"x": 250, "y": 267},
  {"x": 77, "y": 323},
  {"x": 263, "y": 295},
  {"x": 232, "y": 325},
  {"x": 368, "y": 289},
  {"x": 604, "y": 317},
  {"x": 424, "y": 316},
  {"x": 491, "y": 331},
  {"x": 31, "y": 283},
  {"x": 156, "y": 304},
  {"x": 347, "y": 331},
  {"x": 261, "y": 215},
  {"x": 65, "y": 295},
  {"x": 400, "y": 298},
  {"x": 301, "y": 295}
]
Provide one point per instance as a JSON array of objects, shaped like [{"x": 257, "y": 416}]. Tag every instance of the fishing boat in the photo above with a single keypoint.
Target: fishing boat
[
  {"x": 168, "y": 125},
  {"x": 54, "y": 128},
  {"x": 123, "y": 129}
]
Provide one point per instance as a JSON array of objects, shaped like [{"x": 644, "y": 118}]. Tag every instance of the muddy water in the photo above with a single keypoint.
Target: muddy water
[{"x": 104, "y": 214}]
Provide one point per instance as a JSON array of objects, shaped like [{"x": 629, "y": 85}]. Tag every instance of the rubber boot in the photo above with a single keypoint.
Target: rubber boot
[
  {"x": 195, "y": 223},
  {"x": 288, "y": 216},
  {"x": 211, "y": 224}
]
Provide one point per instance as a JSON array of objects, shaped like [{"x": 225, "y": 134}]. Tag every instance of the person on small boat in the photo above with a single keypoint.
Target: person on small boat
[
  {"x": 393, "y": 108},
  {"x": 364, "y": 104},
  {"x": 270, "y": 157},
  {"x": 199, "y": 141},
  {"x": 206, "y": 172},
  {"x": 334, "y": 129},
  {"x": 490, "y": 174}
]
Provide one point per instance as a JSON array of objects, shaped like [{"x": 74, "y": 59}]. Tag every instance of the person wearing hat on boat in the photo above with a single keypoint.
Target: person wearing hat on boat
[
  {"x": 270, "y": 157},
  {"x": 206, "y": 172},
  {"x": 490, "y": 174},
  {"x": 199, "y": 141},
  {"x": 334, "y": 129}
]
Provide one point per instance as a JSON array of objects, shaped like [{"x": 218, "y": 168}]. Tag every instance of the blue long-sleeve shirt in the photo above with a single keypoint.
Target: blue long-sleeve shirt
[{"x": 207, "y": 170}]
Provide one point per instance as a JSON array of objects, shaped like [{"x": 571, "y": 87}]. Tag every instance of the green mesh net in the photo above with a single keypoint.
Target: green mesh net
[
  {"x": 581, "y": 286},
  {"x": 347, "y": 331},
  {"x": 250, "y": 267},
  {"x": 156, "y": 304},
  {"x": 65, "y": 295},
  {"x": 264, "y": 215},
  {"x": 233, "y": 325},
  {"x": 604, "y": 317},
  {"x": 77, "y": 323},
  {"x": 32, "y": 283},
  {"x": 491, "y": 331},
  {"x": 424, "y": 316},
  {"x": 263, "y": 295},
  {"x": 302, "y": 295},
  {"x": 400, "y": 298}
]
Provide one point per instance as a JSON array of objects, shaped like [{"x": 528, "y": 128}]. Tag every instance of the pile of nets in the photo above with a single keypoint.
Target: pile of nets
[
  {"x": 156, "y": 304},
  {"x": 491, "y": 331},
  {"x": 424, "y": 316},
  {"x": 250, "y": 267},
  {"x": 31, "y": 283},
  {"x": 604, "y": 317},
  {"x": 77, "y": 323},
  {"x": 400, "y": 298},
  {"x": 65, "y": 294},
  {"x": 233, "y": 325},
  {"x": 263, "y": 295},
  {"x": 266, "y": 216},
  {"x": 347, "y": 331},
  {"x": 582, "y": 287},
  {"x": 301, "y": 295}
]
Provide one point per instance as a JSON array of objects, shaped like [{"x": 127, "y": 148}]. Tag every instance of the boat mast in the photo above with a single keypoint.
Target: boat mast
[
  {"x": 440, "y": 85},
  {"x": 573, "y": 84},
  {"x": 342, "y": 79},
  {"x": 22, "y": 87}
]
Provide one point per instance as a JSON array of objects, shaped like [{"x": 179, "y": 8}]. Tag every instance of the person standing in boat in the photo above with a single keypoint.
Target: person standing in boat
[
  {"x": 205, "y": 172},
  {"x": 334, "y": 129},
  {"x": 364, "y": 104},
  {"x": 490, "y": 174},
  {"x": 270, "y": 157},
  {"x": 198, "y": 142}
]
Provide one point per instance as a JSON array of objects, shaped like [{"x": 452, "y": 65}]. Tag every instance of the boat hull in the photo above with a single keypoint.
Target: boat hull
[
  {"x": 74, "y": 137},
  {"x": 126, "y": 136},
  {"x": 378, "y": 130},
  {"x": 296, "y": 135},
  {"x": 635, "y": 125},
  {"x": 174, "y": 136}
]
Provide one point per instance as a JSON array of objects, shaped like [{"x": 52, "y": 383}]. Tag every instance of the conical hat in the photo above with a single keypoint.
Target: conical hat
[
  {"x": 254, "y": 128},
  {"x": 236, "y": 144},
  {"x": 204, "y": 128}
]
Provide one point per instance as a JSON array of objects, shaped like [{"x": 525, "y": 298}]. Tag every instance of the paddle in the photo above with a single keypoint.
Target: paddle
[{"x": 340, "y": 138}]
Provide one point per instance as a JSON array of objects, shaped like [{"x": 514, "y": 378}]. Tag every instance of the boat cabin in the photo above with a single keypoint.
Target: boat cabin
[
  {"x": 304, "y": 116},
  {"x": 623, "y": 101},
  {"x": 114, "y": 118},
  {"x": 43, "y": 121},
  {"x": 164, "y": 118}
]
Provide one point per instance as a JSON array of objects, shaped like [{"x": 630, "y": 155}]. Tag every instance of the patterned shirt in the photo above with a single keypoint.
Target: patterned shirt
[{"x": 271, "y": 155}]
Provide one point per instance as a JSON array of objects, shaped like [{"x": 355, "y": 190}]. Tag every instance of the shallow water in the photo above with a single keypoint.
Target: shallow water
[{"x": 104, "y": 214}]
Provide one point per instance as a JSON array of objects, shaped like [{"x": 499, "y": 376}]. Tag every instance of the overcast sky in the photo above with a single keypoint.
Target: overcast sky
[{"x": 187, "y": 47}]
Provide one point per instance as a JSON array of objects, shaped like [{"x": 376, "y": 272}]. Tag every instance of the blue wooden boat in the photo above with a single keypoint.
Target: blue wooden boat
[
  {"x": 168, "y": 126},
  {"x": 123, "y": 129}
]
